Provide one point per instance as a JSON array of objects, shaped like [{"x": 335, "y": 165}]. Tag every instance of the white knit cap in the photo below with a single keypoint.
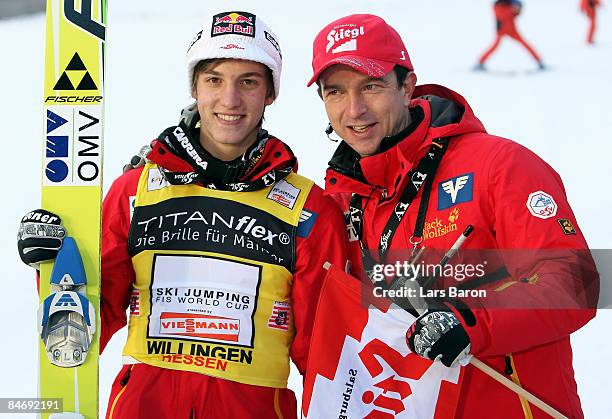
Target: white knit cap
[{"x": 239, "y": 35}]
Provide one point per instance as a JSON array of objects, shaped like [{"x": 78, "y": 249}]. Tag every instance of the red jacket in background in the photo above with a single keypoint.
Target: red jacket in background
[
  {"x": 589, "y": 6},
  {"x": 496, "y": 185},
  {"x": 505, "y": 13}
]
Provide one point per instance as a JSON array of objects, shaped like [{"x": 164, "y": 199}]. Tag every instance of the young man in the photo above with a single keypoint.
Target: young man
[
  {"x": 403, "y": 142},
  {"x": 506, "y": 12},
  {"x": 215, "y": 245}
]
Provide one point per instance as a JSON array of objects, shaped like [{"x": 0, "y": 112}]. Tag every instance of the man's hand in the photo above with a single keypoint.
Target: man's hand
[
  {"x": 138, "y": 160},
  {"x": 438, "y": 335},
  {"x": 40, "y": 237}
]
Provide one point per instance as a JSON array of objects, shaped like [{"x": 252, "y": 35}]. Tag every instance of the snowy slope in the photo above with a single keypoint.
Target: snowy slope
[{"x": 562, "y": 114}]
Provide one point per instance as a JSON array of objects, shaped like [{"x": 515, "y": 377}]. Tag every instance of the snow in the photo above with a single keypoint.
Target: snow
[{"x": 561, "y": 114}]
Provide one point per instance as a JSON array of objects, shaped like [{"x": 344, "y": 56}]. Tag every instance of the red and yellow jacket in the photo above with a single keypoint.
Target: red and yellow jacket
[{"x": 313, "y": 235}]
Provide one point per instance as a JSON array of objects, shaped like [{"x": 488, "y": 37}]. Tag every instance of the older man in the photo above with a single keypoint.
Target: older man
[{"x": 416, "y": 167}]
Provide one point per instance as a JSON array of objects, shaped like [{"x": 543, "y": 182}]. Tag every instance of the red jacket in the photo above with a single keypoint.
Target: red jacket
[
  {"x": 327, "y": 233},
  {"x": 589, "y": 6},
  {"x": 494, "y": 184},
  {"x": 505, "y": 14}
]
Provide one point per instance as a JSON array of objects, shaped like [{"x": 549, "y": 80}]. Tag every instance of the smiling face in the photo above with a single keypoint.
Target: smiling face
[
  {"x": 231, "y": 97},
  {"x": 363, "y": 110}
]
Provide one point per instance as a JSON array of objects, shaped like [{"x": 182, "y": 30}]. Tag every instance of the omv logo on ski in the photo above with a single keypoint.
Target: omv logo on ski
[
  {"x": 56, "y": 148},
  {"x": 455, "y": 191},
  {"x": 73, "y": 146}
]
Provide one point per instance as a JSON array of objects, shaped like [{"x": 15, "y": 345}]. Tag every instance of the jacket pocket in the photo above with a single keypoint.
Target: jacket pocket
[
  {"x": 510, "y": 369},
  {"x": 122, "y": 386}
]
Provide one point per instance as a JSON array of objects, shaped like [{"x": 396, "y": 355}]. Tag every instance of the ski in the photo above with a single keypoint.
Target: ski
[{"x": 73, "y": 103}]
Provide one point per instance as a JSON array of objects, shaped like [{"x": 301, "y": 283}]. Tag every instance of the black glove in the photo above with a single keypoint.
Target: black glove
[
  {"x": 438, "y": 335},
  {"x": 138, "y": 160},
  {"x": 40, "y": 237}
]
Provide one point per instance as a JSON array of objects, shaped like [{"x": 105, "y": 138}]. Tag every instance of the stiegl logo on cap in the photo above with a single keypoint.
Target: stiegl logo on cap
[
  {"x": 364, "y": 42},
  {"x": 347, "y": 33}
]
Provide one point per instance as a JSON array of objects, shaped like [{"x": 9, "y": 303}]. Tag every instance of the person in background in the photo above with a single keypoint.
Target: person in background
[
  {"x": 589, "y": 8},
  {"x": 506, "y": 12}
]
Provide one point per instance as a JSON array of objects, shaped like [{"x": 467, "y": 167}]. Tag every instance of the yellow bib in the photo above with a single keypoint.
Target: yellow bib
[{"x": 213, "y": 278}]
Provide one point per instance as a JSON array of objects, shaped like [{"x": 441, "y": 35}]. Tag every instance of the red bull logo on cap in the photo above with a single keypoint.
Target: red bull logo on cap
[{"x": 233, "y": 23}]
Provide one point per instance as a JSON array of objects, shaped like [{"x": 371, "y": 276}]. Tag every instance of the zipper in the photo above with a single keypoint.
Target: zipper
[
  {"x": 123, "y": 383},
  {"x": 126, "y": 377},
  {"x": 510, "y": 369}
]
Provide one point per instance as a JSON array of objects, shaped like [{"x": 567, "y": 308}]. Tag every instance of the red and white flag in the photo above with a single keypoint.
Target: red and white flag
[
  {"x": 279, "y": 319},
  {"x": 359, "y": 365},
  {"x": 135, "y": 303}
]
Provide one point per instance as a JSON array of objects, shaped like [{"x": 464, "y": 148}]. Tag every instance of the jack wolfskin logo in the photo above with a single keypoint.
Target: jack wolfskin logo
[
  {"x": 456, "y": 190},
  {"x": 76, "y": 71},
  {"x": 566, "y": 226}
]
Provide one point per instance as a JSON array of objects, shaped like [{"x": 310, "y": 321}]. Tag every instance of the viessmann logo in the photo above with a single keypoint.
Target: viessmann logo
[{"x": 200, "y": 326}]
